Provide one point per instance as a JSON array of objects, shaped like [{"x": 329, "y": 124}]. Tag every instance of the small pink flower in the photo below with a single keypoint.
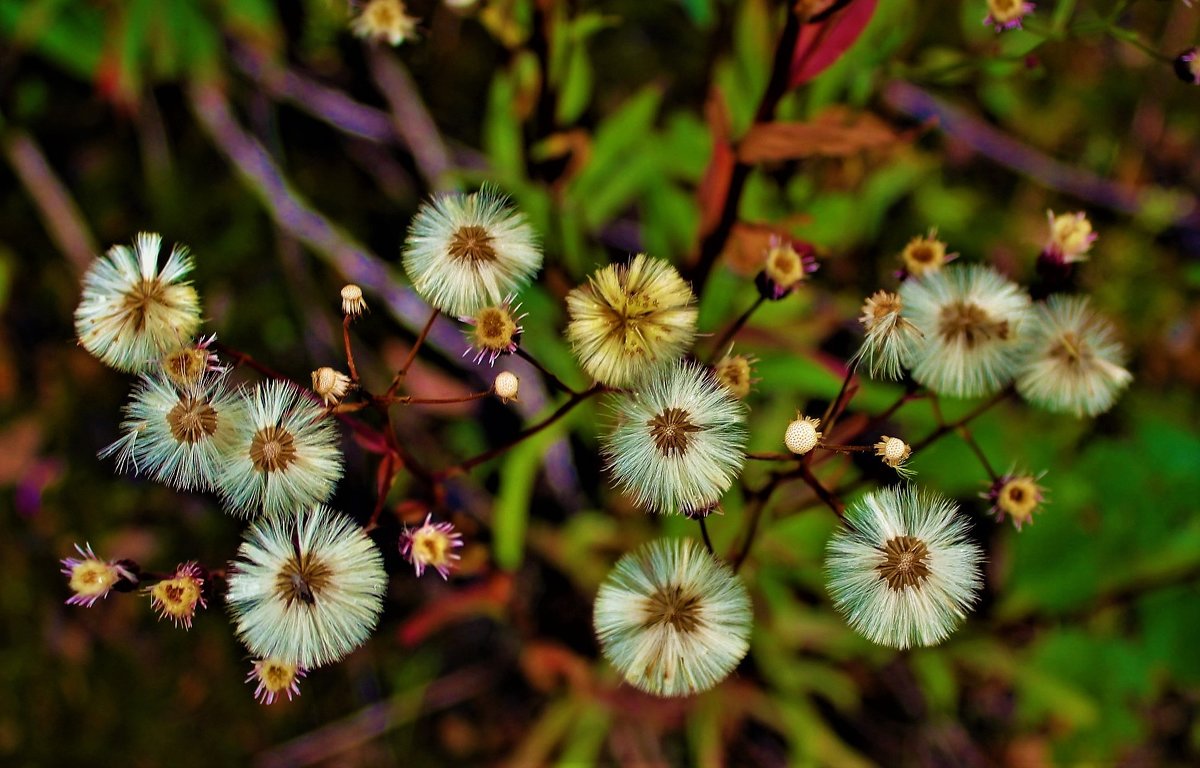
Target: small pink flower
[
  {"x": 432, "y": 544},
  {"x": 275, "y": 678},
  {"x": 179, "y": 596},
  {"x": 495, "y": 331},
  {"x": 1006, "y": 14},
  {"x": 92, "y": 578},
  {"x": 1015, "y": 496}
]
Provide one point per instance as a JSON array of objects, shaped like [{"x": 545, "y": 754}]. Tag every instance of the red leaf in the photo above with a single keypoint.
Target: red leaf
[
  {"x": 823, "y": 43},
  {"x": 715, "y": 184}
]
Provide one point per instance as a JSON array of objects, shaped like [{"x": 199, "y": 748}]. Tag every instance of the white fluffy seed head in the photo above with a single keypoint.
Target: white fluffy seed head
[
  {"x": 971, "y": 321},
  {"x": 672, "y": 619},
  {"x": 679, "y": 440},
  {"x": 902, "y": 570},
  {"x": 284, "y": 454},
  {"x": 465, "y": 252},
  {"x": 802, "y": 435},
  {"x": 132, "y": 313},
  {"x": 176, "y": 435},
  {"x": 1074, "y": 362},
  {"x": 506, "y": 386},
  {"x": 307, "y": 587}
]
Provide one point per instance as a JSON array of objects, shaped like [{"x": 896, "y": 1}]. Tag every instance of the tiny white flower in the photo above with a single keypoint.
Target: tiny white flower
[
  {"x": 1074, "y": 359},
  {"x": 970, "y": 319},
  {"x": 132, "y": 313},
  {"x": 464, "y": 252},
  {"x": 284, "y": 453},
  {"x": 902, "y": 570},
  {"x": 178, "y": 435},
  {"x": 679, "y": 440},
  {"x": 672, "y": 619},
  {"x": 307, "y": 587}
]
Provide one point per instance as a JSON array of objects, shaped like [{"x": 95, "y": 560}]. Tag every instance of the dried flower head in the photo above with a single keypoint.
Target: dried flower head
[
  {"x": 1187, "y": 66},
  {"x": 330, "y": 385},
  {"x": 890, "y": 339},
  {"x": 178, "y": 436},
  {"x": 1016, "y": 496},
  {"x": 1006, "y": 14},
  {"x": 679, "y": 441},
  {"x": 385, "y": 20},
  {"x": 924, "y": 254},
  {"x": 1070, "y": 237},
  {"x": 178, "y": 597},
  {"x": 273, "y": 678},
  {"x": 284, "y": 453},
  {"x": 735, "y": 373},
  {"x": 506, "y": 386},
  {"x": 630, "y": 320},
  {"x": 431, "y": 545},
  {"x": 672, "y": 619},
  {"x": 1074, "y": 360},
  {"x": 188, "y": 366},
  {"x": 307, "y": 586},
  {"x": 895, "y": 453},
  {"x": 802, "y": 434},
  {"x": 970, "y": 319},
  {"x": 91, "y": 578},
  {"x": 353, "y": 303},
  {"x": 464, "y": 252},
  {"x": 132, "y": 313},
  {"x": 902, "y": 570},
  {"x": 495, "y": 331},
  {"x": 788, "y": 264}
]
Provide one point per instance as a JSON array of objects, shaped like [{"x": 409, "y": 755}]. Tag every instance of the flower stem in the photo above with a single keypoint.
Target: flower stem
[
  {"x": 733, "y": 329},
  {"x": 412, "y": 354},
  {"x": 349, "y": 352}
]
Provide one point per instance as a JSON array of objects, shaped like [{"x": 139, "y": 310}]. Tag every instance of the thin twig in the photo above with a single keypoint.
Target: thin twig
[
  {"x": 488, "y": 455},
  {"x": 349, "y": 353},
  {"x": 733, "y": 329},
  {"x": 554, "y": 380},
  {"x": 701, "y": 518},
  {"x": 412, "y": 354}
]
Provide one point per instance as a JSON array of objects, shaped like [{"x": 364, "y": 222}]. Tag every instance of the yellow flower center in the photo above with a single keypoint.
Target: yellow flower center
[
  {"x": 93, "y": 577},
  {"x": 495, "y": 328}
]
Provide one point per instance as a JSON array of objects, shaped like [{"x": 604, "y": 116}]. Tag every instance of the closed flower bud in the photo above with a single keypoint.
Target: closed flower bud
[
  {"x": 1187, "y": 66},
  {"x": 802, "y": 435},
  {"x": 506, "y": 386},
  {"x": 353, "y": 303},
  {"x": 734, "y": 372}
]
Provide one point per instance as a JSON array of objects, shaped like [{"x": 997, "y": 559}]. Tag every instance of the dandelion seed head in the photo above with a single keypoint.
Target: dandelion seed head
[
  {"x": 890, "y": 339},
  {"x": 672, "y": 619},
  {"x": 1074, "y": 361},
  {"x": 970, "y": 320},
  {"x": 902, "y": 570},
  {"x": 629, "y": 321},
  {"x": 132, "y": 313},
  {"x": 306, "y": 586},
  {"x": 678, "y": 442},
  {"x": 466, "y": 252},
  {"x": 353, "y": 303}
]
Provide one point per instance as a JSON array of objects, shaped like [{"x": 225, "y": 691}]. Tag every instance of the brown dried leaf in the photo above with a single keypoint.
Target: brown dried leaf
[{"x": 836, "y": 132}]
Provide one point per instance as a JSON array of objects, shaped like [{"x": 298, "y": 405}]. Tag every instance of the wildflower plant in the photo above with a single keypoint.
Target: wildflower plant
[{"x": 649, "y": 336}]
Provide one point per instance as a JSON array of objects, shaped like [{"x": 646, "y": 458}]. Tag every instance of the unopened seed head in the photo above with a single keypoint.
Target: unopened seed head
[
  {"x": 331, "y": 385},
  {"x": 506, "y": 386},
  {"x": 802, "y": 435},
  {"x": 353, "y": 303},
  {"x": 734, "y": 373}
]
